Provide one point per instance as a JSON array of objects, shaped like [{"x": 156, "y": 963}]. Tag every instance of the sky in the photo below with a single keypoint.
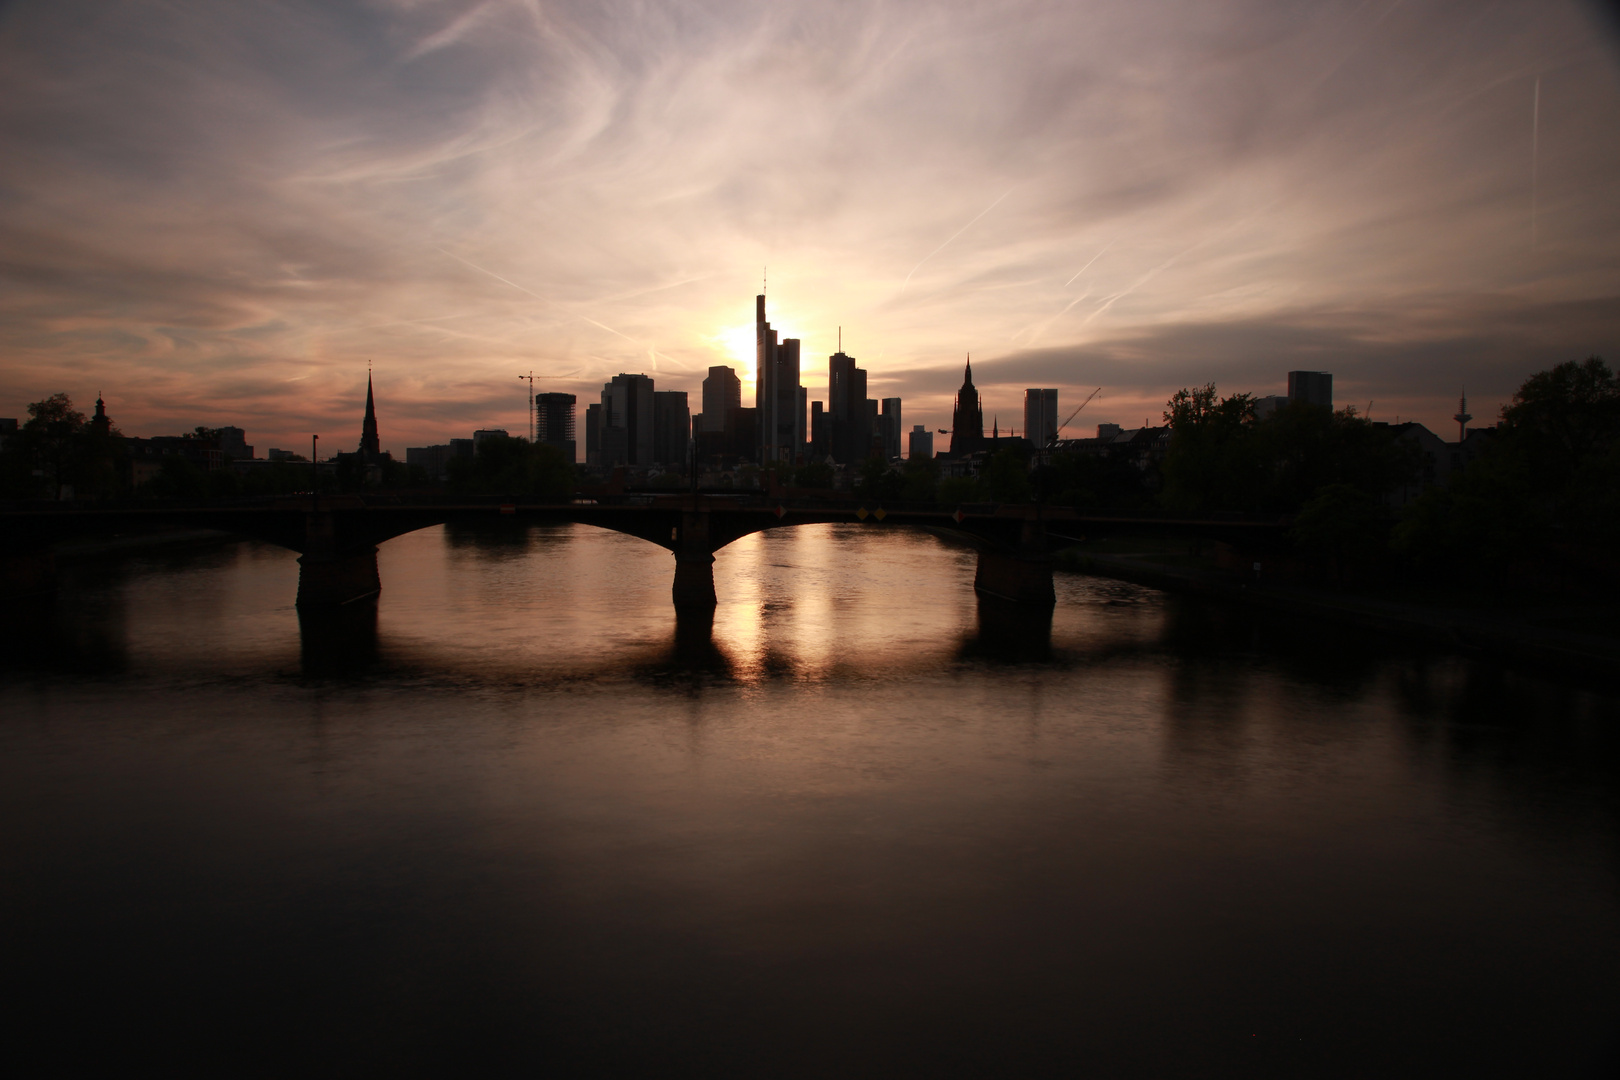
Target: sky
[{"x": 223, "y": 212}]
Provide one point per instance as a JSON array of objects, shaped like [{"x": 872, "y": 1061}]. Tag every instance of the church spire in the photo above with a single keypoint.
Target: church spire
[
  {"x": 967, "y": 376},
  {"x": 370, "y": 446}
]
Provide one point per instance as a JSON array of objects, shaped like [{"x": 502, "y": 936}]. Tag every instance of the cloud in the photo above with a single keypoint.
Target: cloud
[{"x": 219, "y": 213}]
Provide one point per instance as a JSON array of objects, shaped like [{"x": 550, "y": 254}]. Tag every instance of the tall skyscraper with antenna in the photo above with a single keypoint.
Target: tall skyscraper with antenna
[{"x": 778, "y": 397}]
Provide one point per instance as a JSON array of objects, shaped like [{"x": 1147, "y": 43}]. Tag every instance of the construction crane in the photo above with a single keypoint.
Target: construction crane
[
  {"x": 1053, "y": 440},
  {"x": 533, "y": 435}
]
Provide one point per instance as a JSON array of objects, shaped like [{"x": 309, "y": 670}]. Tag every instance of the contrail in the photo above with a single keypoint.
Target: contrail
[
  {"x": 1086, "y": 267},
  {"x": 954, "y": 235},
  {"x": 1535, "y": 155},
  {"x": 536, "y": 295},
  {"x": 1143, "y": 280}
]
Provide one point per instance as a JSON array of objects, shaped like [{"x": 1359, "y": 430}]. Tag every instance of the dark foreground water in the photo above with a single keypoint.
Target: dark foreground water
[{"x": 513, "y": 819}]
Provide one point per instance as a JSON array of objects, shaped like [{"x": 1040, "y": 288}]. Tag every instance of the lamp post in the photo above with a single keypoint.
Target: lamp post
[{"x": 314, "y": 470}]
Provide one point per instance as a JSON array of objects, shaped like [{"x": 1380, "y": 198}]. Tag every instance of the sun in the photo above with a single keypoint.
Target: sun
[
  {"x": 736, "y": 344},
  {"x": 739, "y": 344}
]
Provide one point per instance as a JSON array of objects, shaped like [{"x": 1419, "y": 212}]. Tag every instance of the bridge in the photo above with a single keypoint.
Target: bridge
[{"x": 337, "y": 536}]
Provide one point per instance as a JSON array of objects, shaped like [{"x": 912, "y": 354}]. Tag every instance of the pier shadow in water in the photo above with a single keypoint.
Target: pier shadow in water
[
  {"x": 690, "y": 651},
  {"x": 1010, "y": 633},
  {"x": 340, "y": 640}
]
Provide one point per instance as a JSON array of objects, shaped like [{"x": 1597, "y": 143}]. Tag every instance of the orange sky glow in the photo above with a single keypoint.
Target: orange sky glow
[{"x": 220, "y": 214}]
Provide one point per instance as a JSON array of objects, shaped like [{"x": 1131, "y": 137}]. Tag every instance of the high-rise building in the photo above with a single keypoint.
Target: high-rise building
[
  {"x": 921, "y": 446},
  {"x": 850, "y": 433},
  {"x": 818, "y": 432},
  {"x": 1040, "y": 416},
  {"x": 892, "y": 430},
  {"x": 627, "y": 421},
  {"x": 554, "y": 422},
  {"x": 1312, "y": 387},
  {"x": 967, "y": 418},
  {"x": 778, "y": 398},
  {"x": 672, "y": 427},
  {"x": 722, "y": 390},
  {"x": 593, "y": 434}
]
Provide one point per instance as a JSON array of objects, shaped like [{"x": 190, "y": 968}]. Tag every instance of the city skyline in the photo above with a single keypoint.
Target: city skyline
[{"x": 220, "y": 216}]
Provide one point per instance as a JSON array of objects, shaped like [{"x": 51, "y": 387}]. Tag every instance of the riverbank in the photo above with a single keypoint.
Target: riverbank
[{"x": 1508, "y": 634}]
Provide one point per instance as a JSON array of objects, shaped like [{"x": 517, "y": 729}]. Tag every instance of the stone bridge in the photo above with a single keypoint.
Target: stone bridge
[{"x": 337, "y": 536}]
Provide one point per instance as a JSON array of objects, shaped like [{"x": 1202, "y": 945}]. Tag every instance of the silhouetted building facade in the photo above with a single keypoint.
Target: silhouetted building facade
[
  {"x": 370, "y": 444},
  {"x": 1040, "y": 416},
  {"x": 593, "y": 434},
  {"x": 891, "y": 425},
  {"x": 722, "y": 390},
  {"x": 554, "y": 423},
  {"x": 849, "y": 430},
  {"x": 967, "y": 418},
  {"x": 778, "y": 397},
  {"x": 672, "y": 427},
  {"x": 627, "y": 421},
  {"x": 1312, "y": 387},
  {"x": 921, "y": 443},
  {"x": 819, "y": 446}
]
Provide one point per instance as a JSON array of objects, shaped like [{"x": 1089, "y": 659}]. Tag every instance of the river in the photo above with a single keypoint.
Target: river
[{"x": 512, "y": 818}]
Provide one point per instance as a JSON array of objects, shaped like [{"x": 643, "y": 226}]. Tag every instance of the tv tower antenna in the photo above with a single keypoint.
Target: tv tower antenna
[
  {"x": 1462, "y": 416},
  {"x": 533, "y": 434}
]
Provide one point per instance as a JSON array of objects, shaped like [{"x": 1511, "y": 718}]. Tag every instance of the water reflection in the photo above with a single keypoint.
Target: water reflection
[
  {"x": 1009, "y": 633},
  {"x": 517, "y": 802},
  {"x": 340, "y": 641}
]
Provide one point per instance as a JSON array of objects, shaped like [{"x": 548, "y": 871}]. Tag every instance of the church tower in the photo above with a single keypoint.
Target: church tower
[
  {"x": 967, "y": 421},
  {"x": 370, "y": 446}
]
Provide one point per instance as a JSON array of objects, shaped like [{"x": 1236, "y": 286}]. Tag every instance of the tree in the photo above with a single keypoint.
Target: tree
[
  {"x": 514, "y": 466},
  {"x": 52, "y": 430},
  {"x": 1343, "y": 523},
  {"x": 1212, "y": 463}
]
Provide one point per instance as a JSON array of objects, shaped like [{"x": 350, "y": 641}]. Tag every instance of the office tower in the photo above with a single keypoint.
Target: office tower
[
  {"x": 921, "y": 446},
  {"x": 777, "y": 396},
  {"x": 850, "y": 430},
  {"x": 672, "y": 427},
  {"x": 554, "y": 422},
  {"x": 891, "y": 428},
  {"x": 722, "y": 391},
  {"x": 1312, "y": 387},
  {"x": 967, "y": 418},
  {"x": 818, "y": 431},
  {"x": 1040, "y": 416},
  {"x": 627, "y": 420},
  {"x": 593, "y": 434}
]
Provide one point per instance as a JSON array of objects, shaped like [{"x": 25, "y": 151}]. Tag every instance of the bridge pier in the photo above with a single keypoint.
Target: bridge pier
[
  {"x": 693, "y": 544},
  {"x": 1021, "y": 578},
  {"x": 694, "y": 581},
  {"x": 1022, "y": 575},
  {"x": 328, "y": 579}
]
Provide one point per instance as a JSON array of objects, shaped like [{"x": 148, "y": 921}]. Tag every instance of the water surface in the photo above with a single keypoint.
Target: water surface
[{"x": 513, "y": 816}]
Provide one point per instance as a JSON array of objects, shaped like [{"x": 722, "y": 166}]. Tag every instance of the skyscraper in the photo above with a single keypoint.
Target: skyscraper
[
  {"x": 967, "y": 419},
  {"x": 1314, "y": 387},
  {"x": 850, "y": 435},
  {"x": 672, "y": 426},
  {"x": 777, "y": 395},
  {"x": 1040, "y": 416},
  {"x": 554, "y": 423},
  {"x": 627, "y": 421},
  {"x": 891, "y": 428},
  {"x": 922, "y": 444},
  {"x": 722, "y": 391}
]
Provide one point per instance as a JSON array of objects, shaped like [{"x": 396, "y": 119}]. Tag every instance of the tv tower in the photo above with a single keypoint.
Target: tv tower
[{"x": 1462, "y": 417}]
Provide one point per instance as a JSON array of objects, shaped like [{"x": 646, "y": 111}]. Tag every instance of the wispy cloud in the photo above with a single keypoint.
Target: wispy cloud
[{"x": 216, "y": 213}]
